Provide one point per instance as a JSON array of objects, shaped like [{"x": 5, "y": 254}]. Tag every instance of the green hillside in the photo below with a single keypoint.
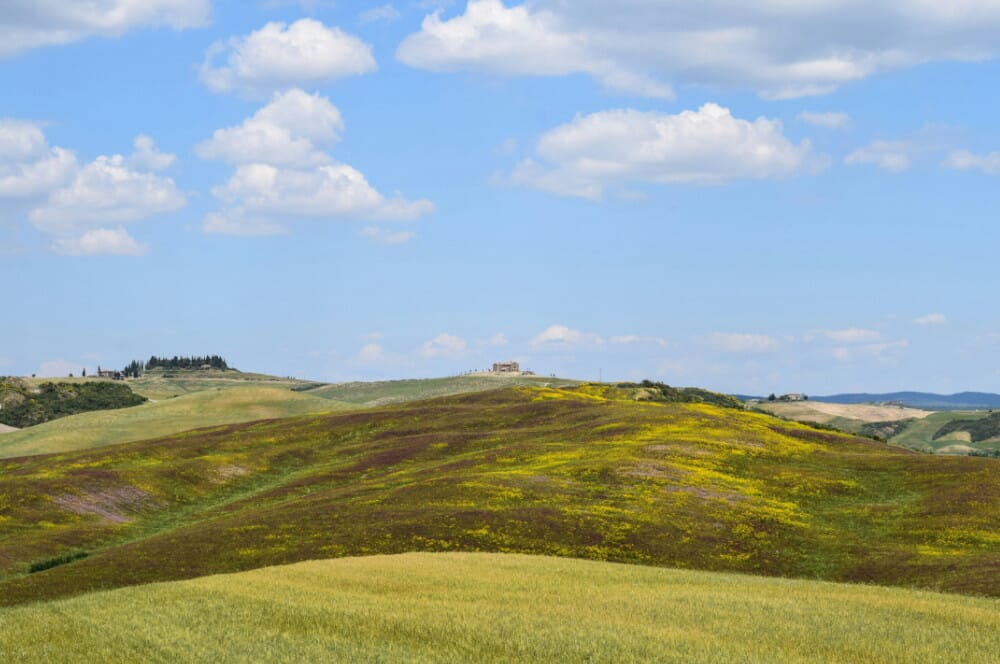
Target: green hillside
[
  {"x": 200, "y": 409},
  {"x": 920, "y": 434},
  {"x": 450, "y": 607},
  {"x": 158, "y": 384},
  {"x": 24, "y": 405},
  {"x": 557, "y": 472},
  {"x": 380, "y": 393},
  {"x": 167, "y": 383},
  {"x": 979, "y": 430}
]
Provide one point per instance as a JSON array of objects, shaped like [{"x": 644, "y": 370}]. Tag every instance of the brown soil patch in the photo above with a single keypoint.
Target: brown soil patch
[
  {"x": 730, "y": 497},
  {"x": 224, "y": 474},
  {"x": 106, "y": 503},
  {"x": 654, "y": 471}
]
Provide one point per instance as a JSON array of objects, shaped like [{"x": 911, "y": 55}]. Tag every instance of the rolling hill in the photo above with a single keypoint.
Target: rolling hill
[
  {"x": 943, "y": 432},
  {"x": 25, "y": 405},
  {"x": 924, "y": 400},
  {"x": 577, "y": 472},
  {"x": 380, "y": 393},
  {"x": 501, "y": 608},
  {"x": 208, "y": 407},
  {"x": 852, "y": 418}
]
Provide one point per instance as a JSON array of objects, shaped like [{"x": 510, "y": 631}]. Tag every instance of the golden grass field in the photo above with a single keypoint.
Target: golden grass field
[
  {"x": 824, "y": 413},
  {"x": 447, "y": 607}
]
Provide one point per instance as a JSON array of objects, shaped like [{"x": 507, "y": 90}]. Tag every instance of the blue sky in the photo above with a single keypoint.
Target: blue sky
[{"x": 784, "y": 197}]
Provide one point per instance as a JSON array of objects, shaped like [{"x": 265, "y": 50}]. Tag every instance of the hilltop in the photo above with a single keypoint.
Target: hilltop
[
  {"x": 574, "y": 472},
  {"x": 380, "y": 393},
  {"x": 501, "y": 608}
]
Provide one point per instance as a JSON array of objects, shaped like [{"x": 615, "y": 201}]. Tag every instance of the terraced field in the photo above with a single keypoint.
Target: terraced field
[
  {"x": 565, "y": 472},
  {"x": 448, "y": 607}
]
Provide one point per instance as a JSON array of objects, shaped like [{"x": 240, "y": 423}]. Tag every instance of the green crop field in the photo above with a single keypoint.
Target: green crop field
[
  {"x": 448, "y": 607},
  {"x": 380, "y": 393},
  {"x": 200, "y": 409},
  {"x": 566, "y": 472}
]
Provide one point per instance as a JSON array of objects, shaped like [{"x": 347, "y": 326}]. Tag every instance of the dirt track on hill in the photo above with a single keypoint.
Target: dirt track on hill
[{"x": 6, "y": 429}]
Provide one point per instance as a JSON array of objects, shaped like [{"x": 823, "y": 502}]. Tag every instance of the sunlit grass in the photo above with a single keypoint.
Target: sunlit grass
[
  {"x": 201, "y": 409},
  {"x": 501, "y": 608}
]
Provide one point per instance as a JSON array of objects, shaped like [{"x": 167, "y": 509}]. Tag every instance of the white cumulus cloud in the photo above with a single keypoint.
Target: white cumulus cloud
[
  {"x": 963, "y": 160},
  {"x": 106, "y": 190},
  {"x": 27, "y": 25},
  {"x": 382, "y": 236},
  {"x": 370, "y": 353},
  {"x": 892, "y": 156},
  {"x": 74, "y": 204},
  {"x": 562, "y": 336},
  {"x": 848, "y": 335},
  {"x": 828, "y": 120},
  {"x": 283, "y": 173},
  {"x": 28, "y": 166},
  {"x": 707, "y": 146},
  {"x": 498, "y": 339},
  {"x": 286, "y": 131},
  {"x": 115, "y": 241},
  {"x": 383, "y": 13},
  {"x": 931, "y": 319},
  {"x": 633, "y": 339},
  {"x": 779, "y": 48},
  {"x": 739, "y": 342},
  {"x": 884, "y": 352},
  {"x": 443, "y": 345},
  {"x": 147, "y": 156},
  {"x": 280, "y": 56},
  {"x": 517, "y": 41}
]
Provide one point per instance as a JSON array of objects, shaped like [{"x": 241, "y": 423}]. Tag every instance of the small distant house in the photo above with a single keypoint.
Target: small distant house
[
  {"x": 795, "y": 396},
  {"x": 109, "y": 373},
  {"x": 506, "y": 368}
]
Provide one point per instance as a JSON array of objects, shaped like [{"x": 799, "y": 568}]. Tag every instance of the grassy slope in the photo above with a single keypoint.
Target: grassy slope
[
  {"x": 200, "y": 409},
  {"x": 525, "y": 470},
  {"x": 165, "y": 384},
  {"x": 501, "y": 608},
  {"x": 381, "y": 393},
  {"x": 918, "y": 435}
]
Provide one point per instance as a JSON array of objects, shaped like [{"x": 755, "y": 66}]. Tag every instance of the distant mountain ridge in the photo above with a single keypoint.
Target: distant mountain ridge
[{"x": 926, "y": 400}]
